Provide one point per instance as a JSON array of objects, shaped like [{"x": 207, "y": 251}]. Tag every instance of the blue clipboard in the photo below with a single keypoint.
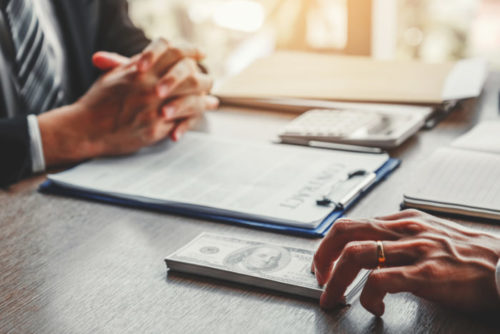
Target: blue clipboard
[{"x": 49, "y": 187}]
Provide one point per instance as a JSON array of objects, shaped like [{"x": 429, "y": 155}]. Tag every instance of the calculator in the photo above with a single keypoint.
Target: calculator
[{"x": 383, "y": 129}]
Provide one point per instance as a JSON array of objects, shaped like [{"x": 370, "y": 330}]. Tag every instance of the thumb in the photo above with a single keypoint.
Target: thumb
[{"x": 106, "y": 61}]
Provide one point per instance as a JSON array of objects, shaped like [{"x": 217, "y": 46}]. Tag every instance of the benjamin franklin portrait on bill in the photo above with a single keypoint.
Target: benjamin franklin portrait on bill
[{"x": 258, "y": 259}]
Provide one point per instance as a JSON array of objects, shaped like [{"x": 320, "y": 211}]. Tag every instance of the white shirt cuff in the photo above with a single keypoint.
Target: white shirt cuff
[
  {"x": 497, "y": 276},
  {"x": 37, "y": 158}
]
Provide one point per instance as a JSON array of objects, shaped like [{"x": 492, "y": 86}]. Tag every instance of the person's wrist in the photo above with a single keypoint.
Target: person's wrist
[
  {"x": 64, "y": 135},
  {"x": 90, "y": 140}
]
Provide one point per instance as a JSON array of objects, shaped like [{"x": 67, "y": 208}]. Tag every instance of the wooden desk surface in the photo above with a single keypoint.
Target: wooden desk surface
[{"x": 72, "y": 266}]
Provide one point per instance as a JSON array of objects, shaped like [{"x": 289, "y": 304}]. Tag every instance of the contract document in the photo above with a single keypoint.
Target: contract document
[{"x": 271, "y": 183}]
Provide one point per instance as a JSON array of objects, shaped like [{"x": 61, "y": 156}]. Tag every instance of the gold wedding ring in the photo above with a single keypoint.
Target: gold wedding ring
[{"x": 380, "y": 254}]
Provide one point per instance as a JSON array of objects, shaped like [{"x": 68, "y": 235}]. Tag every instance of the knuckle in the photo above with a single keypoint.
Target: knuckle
[
  {"x": 428, "y": 269},
  {"x": 413, "y": 213},
  {"x": 442, "y": 242},
  {"x": 161, "y": 41},
  {"x": 192, "y": 81},
  {"x": 176, "y": 52},
  {"x": 375, "y": 278},
  {"x": 341, "y": 226},
  {"x": 413, "y": 227},
  {"x": 177, "y": 106},
  {"x": 186, "y": 63},
  {"x": 152, "y": 132},
  {"x": 183, "y": 102},
  {"x": 372, "y": 224},
  {"x": 147, "y": 54},
  {"x": 189, "y": 110},
  {"x": 192, "y": 64},
  {"x": 206, "y": 104},
  {"x": 352, "y": 249},
  {"x": 445, "y": 243},
  {"x": 364, "y": 221},
  {"x": 178, "y": 72},
  {"x": 424, "y": 246}
]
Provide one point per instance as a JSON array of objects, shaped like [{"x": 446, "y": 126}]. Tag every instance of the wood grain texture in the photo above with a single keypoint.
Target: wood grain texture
[{"x": 73, "y": 266}]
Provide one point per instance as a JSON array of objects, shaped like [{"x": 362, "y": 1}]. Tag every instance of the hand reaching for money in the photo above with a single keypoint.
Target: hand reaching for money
[
  {"x": 276, "y": 267},
  {"x": 427, "y": 256}
]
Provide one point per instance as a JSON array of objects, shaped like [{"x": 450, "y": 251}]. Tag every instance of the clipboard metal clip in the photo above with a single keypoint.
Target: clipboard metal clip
[
  {"x": 343, "y": 192},
  {"x": 325, "y": 201}
]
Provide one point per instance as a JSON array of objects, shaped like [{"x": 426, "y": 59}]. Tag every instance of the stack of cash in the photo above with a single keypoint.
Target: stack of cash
[{"x": 280, "y": 268}]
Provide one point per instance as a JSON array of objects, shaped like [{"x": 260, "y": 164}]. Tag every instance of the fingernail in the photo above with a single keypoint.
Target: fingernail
[
  {"x": 201, "y": 53},
  {"x": 213, "y": 102},
  {"x": 168, "y": 112},
  {"x": 162, "y": 90},
  {"x": 173, "y": 136},
  {"x": 325, "y": 302},
  {"x": 319, "y": 278},
  {"x": 379, "y": 309},
  {"x": 178, "y": 135},
  {"x": 143, "y": 64}
]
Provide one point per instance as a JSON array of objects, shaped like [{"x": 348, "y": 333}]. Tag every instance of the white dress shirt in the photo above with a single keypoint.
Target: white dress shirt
[
  {"x": 497, "y": 277},
  {"x": 53, "y": 36}
]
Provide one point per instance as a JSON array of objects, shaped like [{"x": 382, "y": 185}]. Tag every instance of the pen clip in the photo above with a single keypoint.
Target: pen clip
[
  {"x": 348, "y": 194},
  {"x": 325, "y": 201},
  {"x": 359, "y": 172}
]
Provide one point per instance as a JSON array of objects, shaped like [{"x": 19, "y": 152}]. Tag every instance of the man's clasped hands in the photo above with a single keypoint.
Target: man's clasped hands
[{"x": 137, "y": 102}]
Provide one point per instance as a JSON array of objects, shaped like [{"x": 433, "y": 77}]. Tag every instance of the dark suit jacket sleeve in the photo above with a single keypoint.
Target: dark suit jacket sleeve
[
  {"x": 116, "y": 31},
  {"x": 15, "y": 155}
]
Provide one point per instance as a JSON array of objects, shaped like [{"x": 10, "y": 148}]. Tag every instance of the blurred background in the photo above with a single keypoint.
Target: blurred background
[{"x": 235, "y": 32}]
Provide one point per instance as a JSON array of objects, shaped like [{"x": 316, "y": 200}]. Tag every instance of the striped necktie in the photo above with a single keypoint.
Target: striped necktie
[{"x": 35, "y": 65}]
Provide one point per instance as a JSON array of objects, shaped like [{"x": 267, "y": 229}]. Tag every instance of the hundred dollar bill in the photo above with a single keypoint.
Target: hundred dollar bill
[{"x": 280, "y": 268}]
